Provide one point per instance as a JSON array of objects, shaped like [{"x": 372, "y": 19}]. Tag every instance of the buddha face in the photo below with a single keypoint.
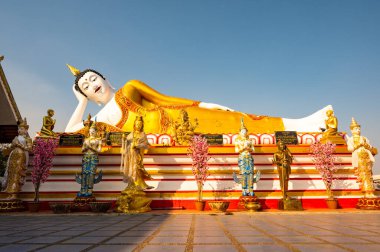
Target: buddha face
[
  {"x": 329, "y": 113},
  {"x": 95, "y": 87}
]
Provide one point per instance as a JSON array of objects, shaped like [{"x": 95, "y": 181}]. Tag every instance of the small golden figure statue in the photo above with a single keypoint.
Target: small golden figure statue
[
  {"x": 183, "y": 131},
  {"x": 362, "y": 159},
  {"x": 283, "y": 158},
  {"x": 133, "y": 199},
  {"x": 330, "y": 133},
  {"x": 48, "y": 124},
  {"x": 87, "y": 124},
  {"x": 14, "y": 177}
]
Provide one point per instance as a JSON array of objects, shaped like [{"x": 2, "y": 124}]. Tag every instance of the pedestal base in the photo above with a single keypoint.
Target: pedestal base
[
  {"x": 368, "y": 203},
  {"x": 133, "y": 200},
  {"x": 333, "y": 139},
  {"x": 82, "y": 204},
  {"x": 15, "y": 205},
  {"x": 250, "y": 203},
  {"x": 290, "y": 204}
]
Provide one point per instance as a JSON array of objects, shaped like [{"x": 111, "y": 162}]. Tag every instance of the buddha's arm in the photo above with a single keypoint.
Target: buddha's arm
[
  {"x": 157, "y": 98},
  {"x": 136, "y": 90},
  {"x": 75, "y": 122}
]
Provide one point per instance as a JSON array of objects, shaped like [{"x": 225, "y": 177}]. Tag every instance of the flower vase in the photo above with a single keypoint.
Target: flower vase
[
  {"x": 33, "y": 206},
  {"x": 332, "y": 203},
  {"x": 200, "y": 205}
]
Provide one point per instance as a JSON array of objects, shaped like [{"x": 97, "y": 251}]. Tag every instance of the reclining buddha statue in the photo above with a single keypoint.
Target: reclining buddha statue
[{"x": 159, "y": 111}]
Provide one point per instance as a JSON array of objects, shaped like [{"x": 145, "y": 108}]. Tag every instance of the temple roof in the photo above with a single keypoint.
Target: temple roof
[{"x": 9, "y": 112}]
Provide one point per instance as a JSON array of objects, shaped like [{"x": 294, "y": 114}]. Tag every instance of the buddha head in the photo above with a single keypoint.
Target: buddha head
[
  {"x": 329, "y": 112},
  {"x": 50, "y": 112},
  {"x": 92, "y": 85}
]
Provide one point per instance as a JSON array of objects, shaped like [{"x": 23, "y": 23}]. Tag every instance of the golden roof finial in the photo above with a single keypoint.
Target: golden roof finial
[
  {"x": 354, "y": 123},
  {"x": 73, "y": 70}
]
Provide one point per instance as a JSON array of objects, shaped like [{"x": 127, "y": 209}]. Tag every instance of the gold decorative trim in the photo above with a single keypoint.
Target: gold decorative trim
[
  {"x": 225, "y": 149},
  {"x": 194, "y": 194},
  {"x": 349, "y": 171}
]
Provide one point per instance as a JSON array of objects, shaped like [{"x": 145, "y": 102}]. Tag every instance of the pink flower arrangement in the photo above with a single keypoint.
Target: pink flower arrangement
[
  {"x": 43, "y": 151},
  {"x": 198, "y": 151},
  {"x": 324, "y": 161}
]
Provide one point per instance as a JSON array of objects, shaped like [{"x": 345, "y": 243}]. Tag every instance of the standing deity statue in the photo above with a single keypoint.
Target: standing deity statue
[
  {"x": 283, "y": 159},
  {"x": 362, "y": 159},
  {"x": 132, "y": 150},
  {"x": 92, "y": 145},
  {"x": 183, "y": 131},
  {"x": 14, "y": 177},
  {"x": 48, "y": 124},
  {"x": 244, "y": 146}
]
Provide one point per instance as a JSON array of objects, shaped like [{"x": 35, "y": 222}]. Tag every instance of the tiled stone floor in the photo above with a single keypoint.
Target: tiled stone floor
[{"x": 161, "y": 231}]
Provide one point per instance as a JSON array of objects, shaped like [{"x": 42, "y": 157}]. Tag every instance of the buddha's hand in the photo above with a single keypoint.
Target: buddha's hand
[
  {"x": 78, "y": 95},
  {"x": 214, "y": 106}
]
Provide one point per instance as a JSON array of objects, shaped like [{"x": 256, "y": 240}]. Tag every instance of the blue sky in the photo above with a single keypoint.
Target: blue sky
[{"x": 279, "y": 58}]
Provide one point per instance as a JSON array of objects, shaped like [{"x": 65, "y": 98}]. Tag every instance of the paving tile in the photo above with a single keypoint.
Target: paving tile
[
  {"x": 127, "y": 240},
  {"x": 102, "y": 233},
  {"x": 67, "y": 233},
  {"x": 212, "y": 239},
  {"x": 20, "y": 247},
  {"x": 254, "y": 239},
  {"x": 65, "y": 248},
  {"x": 173, "y": 233},
  {"x": 245, "y": 232},
  {"x": 363, "y": 247},
  {"x": 11, "y": 239},
  {"x": 214, "y": 248},
  {"x": 374, "y": 239},
  {"x": 144, "y": 228},
  {"x": 165, "y": 239},
  {"x": 299, "y": 239},
  {"x": 266, "y": 248},
  {"x": 32, "y": 233},
  {"x": 342, "y": 239},
  {"x": 209, "y": 233},
  {"x": 86, "y": 240},
  {"x": 137, "y": 233},
  {"x": 318, "y": 248},
  {"x": 44, "y": 239},
  {"x": 171, "y": 248},
  {"x": 114, "y": 248}
]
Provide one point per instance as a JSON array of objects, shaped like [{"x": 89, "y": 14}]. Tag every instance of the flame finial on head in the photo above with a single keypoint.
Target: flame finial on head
[
  {"x": 23, "y": 124},
  {"x": 242, "y": 126},
  {"x": 354, "y": 124},
  {"x": 73, "y": 70}
]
